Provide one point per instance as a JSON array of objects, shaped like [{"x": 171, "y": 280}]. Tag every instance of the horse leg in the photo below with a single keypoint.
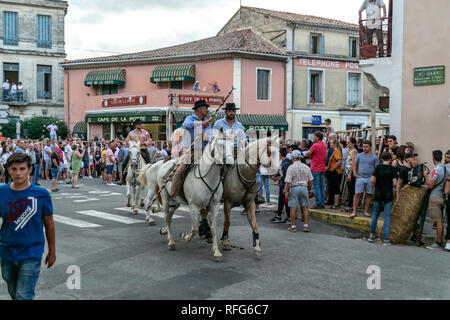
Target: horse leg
[
  {"x": 194, "y": 224},
  {"x": 251, "y": 216},
  {"x": 168, "y": 218},
  {"x": 226, "y": 244},
  {"x": 128, "y": 195},
  {"x": 214, "y": 212}
]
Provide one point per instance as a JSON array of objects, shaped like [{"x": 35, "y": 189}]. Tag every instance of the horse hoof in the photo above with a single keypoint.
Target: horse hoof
[
  {"x": 209, "y": 240},
  {"x": 156, "y": 210},
  {"x": 182, "y": 235},
  {"x": 163, "y": 231},
  {"x": 258, "y": 255},
  {"x": 142, "y": 204},
  {"x": 128, "y": 205},
  {"x": 135, "y": 212},
  {"x": 218, "y": 259},
  {"x": 152, "y": 223},
  {"x": 171, "y": 247},
  {"x": 226, "y": 247}
]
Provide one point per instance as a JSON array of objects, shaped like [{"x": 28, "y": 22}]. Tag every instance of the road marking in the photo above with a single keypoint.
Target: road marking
[
  {"x": 108, "y": 216},
  {"x": 75, "y": 222},
  {"x": 141, "y": 211},
  {"x": 112, "y": 194},
  {"x": 85, "y": 200},
  {"x": 75, "y": 197},
  {"x": 99, "y": 192}
]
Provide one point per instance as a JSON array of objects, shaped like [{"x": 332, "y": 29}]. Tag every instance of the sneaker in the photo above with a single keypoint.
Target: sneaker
[
  {"x": 287, "y": 221},
  {"x": 276, "y": 219},
  {"x": 112, "y": 184},
  {"x": 68, "y": 182},
  {"x": 435, "y": 246},
  {"x": 386, "y": 243},
  {"x": 371, "y": 239},
  {"x": 56, "y": 190},
  {"x": 292, "y": 229},
  {"x": 447, "y": 246}
]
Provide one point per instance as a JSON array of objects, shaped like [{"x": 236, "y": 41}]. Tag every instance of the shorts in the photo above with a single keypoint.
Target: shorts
[
  {"x": 109, "y": 169},
  {"x": 54, "y": 172},
  {"x": 363, "y": 185},
  {"x": 66, "y": 165},
  {"x": 120, "y": 167},
  {"x": 48, "y": 164},
  {"x": 85, "y": 164},
  {"x": 298, "y": 194},
  {"x": 53, "y": 136},
  {"x": 435, "y": 209}
]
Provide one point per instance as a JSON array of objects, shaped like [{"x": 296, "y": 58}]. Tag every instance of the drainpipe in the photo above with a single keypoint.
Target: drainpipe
[{"x": 293, "y": 83}]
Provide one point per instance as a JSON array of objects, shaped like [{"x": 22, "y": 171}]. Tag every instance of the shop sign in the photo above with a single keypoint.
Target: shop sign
[
  {"x": 316, "y": 120},
  {"x": 428, "y": 76},
  {"x": 186, "y": 99},
  {"x": 124, "y": 119},
  {"x": 124, "y": 101},
  {"x": 327, "y": 64},
  {"x": 268, "y": 128}
]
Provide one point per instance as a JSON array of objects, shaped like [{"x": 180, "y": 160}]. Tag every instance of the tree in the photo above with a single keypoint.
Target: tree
[{"x": 34, "y": 128}]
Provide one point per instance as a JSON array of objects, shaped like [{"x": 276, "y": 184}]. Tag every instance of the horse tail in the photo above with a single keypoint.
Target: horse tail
[
  {"x": 142, "y": 178},
  {"x": 158, "y": 194}
]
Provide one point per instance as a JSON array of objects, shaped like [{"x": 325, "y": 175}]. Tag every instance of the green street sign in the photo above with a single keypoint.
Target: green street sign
[{"x": 427, "y": 76}]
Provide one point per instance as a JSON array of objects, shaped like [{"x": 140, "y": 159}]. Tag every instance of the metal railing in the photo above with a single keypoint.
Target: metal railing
[{"x": 14, "y": 97}]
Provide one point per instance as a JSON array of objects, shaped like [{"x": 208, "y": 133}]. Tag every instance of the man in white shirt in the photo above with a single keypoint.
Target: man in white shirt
[
  {"x": 47, "y": 153},
  {"x": 67, "y": 155},
  {"x": 52, "y": 128},
  {"x": 373, "y": 12},
  {"x": 6, "y": 86}
]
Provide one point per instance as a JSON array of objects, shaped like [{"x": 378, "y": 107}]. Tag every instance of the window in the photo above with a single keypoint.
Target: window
[
  {"x": 176, "y": 85},
  {"x": 353, "y": 47},
  {"x": 44, "y": 82},
  {"x": 11, "y": 72},
  {"x": 110, "y": 89},
  {"x": 354, "y": 89},
  {"x": 10, "y": 28},
  {"x": 316, "y": 87},
  {"x": 317, "y": 43},
  {"x": 44, "y": 31},
  {"x": 263, "y": 84}
]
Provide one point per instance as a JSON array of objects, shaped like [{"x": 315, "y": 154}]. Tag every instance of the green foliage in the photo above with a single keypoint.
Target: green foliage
[{"x": 34, "y": 128}]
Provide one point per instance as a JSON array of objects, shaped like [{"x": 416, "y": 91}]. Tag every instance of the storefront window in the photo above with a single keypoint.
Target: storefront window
[
  {"x": 308, "y": 132},
  {"x": 110, "y": 89}
]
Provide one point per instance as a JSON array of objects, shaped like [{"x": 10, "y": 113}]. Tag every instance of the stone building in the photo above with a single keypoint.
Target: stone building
[
  {"x": 31, "y": 49},
  {"x": 323, "y": 77}
]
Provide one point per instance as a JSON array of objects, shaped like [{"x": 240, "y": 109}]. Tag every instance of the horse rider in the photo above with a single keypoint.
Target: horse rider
[
  {"x": 138, "y": 134},
  {"x": 194, "y": 125},
  {"x": 233, "y": 126}
]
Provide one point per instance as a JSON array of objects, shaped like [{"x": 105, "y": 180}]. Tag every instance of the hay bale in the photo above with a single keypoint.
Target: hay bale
[{"x": 405, "y": 213}]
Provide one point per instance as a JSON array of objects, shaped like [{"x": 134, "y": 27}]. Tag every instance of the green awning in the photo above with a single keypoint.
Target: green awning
[
  {"x": 126, "y": 117},
  {"x": 104, "y": 77},
  {"x": 80, "y": 129},
  {"x": 249, "y": 121},
  {"x": 173, "y": 73}
]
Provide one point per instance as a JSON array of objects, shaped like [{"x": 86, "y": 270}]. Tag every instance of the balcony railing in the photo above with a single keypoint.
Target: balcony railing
[{"x": 18, "y": 97}]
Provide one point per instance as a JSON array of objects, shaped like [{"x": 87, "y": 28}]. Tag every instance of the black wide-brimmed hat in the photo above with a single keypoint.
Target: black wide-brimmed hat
[
  {"x": 230, "y": 106},
  {"x": 200, "y": 103}
]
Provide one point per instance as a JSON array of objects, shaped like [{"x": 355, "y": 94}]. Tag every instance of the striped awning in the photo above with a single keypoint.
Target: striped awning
[
  {"x": 173, "y": 73},
  {"x": 249, "y": 121},
  {"x": 80, "y": 128},
  {"x": 105, "y": 77}
]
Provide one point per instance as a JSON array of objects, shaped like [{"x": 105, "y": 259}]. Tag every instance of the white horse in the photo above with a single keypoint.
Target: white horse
[
  {"x": 148, "y": 179},
  {"x": 240, "y": 187},
  {"x": 135, "y": 165},
  {"x": 202, "y": 190}
]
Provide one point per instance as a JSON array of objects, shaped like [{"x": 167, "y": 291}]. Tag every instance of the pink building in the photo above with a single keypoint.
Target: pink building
[{"x": 104, "y": 96}]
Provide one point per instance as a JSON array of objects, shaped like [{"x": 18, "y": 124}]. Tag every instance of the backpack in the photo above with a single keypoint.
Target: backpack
[{"x": 416, "y": 177}]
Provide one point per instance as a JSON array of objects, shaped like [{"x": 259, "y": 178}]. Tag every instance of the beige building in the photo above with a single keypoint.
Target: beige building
[
  {"x": 323, "y": 77},
  {"x": 416, "y": 75},
  {"x": 31, "y": 48}
]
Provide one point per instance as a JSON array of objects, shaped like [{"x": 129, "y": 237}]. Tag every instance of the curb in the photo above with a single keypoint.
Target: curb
[{"x": 358, "y": 223}]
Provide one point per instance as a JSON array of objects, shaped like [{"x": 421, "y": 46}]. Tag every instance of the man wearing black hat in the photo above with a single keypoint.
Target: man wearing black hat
[
  {"x": 230, "y": 123},
  {"x": 193, "y": 126},
  {"x": 136, "y": 135}
]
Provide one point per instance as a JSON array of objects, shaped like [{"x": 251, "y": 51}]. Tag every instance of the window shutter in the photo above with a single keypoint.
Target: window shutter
[
  {"x": 44, "y": 31},
  {"x": 353, "y": 90},
  {"x": 311, "y": 43},
  {"x": 350, "y": 47},
  {"x": 321, "y": 45},
  {"x": 10, "y": 28}
]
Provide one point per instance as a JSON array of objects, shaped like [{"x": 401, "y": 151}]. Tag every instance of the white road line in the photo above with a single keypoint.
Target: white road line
[
  {"x": 86, "y": 200},
  {"x": 112, "y": 194},
  {"x": 99, "y": 192},
  {"x": 75, "y": 197},
  {"x": 108, "y": 216},
  {"x": 74, "y": 222},
  {"x": 141, "y": 211}
]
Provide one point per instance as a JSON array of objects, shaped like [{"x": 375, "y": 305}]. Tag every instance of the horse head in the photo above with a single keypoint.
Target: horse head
[
  {"x": 221, "y": 148},
  {"x": 134, "y": 154}
]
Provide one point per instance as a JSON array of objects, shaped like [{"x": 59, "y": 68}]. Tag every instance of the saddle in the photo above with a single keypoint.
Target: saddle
[{"x": 169, "y": 176}]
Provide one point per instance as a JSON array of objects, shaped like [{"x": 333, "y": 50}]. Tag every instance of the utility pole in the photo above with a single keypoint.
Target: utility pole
[{"x": 374, "y": 129}]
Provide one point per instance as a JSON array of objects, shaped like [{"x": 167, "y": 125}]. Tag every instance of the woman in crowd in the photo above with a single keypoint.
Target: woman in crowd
[
  {"x": 6, "y": 153},
  {"x": 98, "y": 162},
  {"x": 76, "y": 164},
  {"x": 334, "y": 173},
  {"x": 349, "y": 178}
]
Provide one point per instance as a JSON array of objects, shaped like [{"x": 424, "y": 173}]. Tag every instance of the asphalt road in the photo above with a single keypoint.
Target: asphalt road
[{"x": 121, "y": 257}]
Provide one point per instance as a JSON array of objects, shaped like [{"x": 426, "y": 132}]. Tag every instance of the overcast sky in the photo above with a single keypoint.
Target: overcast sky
[{"x": 106, "y": 27}]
